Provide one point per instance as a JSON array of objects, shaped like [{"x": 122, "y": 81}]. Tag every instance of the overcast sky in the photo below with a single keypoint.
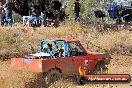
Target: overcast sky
[{"x": 124, "y": 2}]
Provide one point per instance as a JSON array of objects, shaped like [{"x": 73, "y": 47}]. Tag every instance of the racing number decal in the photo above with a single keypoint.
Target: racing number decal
[{"x": 26, "y": 61}]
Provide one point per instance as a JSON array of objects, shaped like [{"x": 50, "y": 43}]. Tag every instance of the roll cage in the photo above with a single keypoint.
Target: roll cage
[{"x": 61, "y": 48}]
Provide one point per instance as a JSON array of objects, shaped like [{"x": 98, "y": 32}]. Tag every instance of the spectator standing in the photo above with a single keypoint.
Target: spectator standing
[
  {"x": 1, "y": 8},
  {"x": 3, "y": 17},
  {"x": 32, "y": 11},
  {"x": 56, "y": 10},
  {"x": 77, "y": 7},
  {"x": 62, "y": 14},
  {"x": 33, "y": 16},
  {"x": 43, "y": 11},
  {"x": 8, "y": 6}
]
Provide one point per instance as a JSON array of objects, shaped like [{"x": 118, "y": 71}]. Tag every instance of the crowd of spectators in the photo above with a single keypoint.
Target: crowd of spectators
[{"x": 57, "y": 11}]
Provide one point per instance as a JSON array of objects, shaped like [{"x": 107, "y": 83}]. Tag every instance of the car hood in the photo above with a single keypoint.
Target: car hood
[
  {"x": 38, "y": 55},
  {"x": 101, "y": 55},
  {"x": 94, "y": 52}
]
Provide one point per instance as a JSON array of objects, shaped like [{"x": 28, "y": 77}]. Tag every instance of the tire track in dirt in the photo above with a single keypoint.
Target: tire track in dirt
[{"x": 24, "y": 79}]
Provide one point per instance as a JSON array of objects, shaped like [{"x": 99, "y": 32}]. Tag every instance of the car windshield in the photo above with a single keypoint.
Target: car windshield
[{"x": 75, "y": 49}]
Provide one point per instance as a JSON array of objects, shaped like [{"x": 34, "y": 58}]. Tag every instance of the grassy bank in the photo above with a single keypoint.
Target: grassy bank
[{"x": 18, "y": 41}]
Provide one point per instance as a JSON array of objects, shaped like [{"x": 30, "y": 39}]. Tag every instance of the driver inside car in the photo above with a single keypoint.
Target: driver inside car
[
  {"x": 49, "y": 47},
  {"x": 45, "y": 48},
  {"x": 56, "y": 49},
  {"x": 74, "y": 52},
  {"x": 61, "y": 53}
]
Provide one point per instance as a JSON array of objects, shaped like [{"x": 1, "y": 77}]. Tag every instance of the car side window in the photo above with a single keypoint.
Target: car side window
[
  {"x": 75, "y": 49},
  {"x": 54, "y": 48}
]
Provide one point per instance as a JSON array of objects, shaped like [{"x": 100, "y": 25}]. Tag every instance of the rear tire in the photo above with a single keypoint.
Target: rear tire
[{"x": 52, "y": 76}]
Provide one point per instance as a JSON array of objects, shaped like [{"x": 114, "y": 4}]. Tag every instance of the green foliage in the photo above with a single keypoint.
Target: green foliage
[
  {"x": 87, "y": 8},
  {"x": 16, "y": 17}
]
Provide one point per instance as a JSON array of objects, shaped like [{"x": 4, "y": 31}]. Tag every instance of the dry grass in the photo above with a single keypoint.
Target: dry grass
[{"x": 18, "y": 41}]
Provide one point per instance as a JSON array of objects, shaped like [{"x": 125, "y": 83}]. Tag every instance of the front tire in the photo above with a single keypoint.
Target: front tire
[
  {"x": 100, "y": 68},
  {"x": 81, "y": 80}
]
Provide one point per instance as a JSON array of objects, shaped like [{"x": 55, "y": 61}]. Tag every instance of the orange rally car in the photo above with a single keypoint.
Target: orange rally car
[{"x": 61, "y": 57}]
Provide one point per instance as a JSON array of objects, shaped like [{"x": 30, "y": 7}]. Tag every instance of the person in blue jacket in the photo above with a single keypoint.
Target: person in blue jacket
[{"x": 8, "y": 6}]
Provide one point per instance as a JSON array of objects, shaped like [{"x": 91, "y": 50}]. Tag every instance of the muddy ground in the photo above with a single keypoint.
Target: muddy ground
[{"x": 22, "y": 79}]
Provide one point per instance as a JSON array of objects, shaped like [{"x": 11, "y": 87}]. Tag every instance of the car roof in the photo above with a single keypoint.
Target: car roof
[{"x": 63, "y": 39}]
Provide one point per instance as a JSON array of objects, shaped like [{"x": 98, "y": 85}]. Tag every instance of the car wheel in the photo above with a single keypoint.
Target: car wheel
[
  {"x": 100, "y": 68},
  {"x": 81, "y": 80},
  {"x": 52, "y": 76}
]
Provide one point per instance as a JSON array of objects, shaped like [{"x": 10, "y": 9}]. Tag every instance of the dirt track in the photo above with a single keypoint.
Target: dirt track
[{"x": 22, "y": 79}]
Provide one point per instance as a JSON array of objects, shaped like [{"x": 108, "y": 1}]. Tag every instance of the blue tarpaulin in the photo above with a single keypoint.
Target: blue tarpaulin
[{"x": 113, "y": 11}]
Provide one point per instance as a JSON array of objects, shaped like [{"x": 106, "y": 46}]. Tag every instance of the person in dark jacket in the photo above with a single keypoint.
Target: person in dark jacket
[
  {"x": 1, "y": 11},
  {"x": 49, "y": 14},
  {"x": 62, "y": 14},
  {"x": 56, "y": 5},
  {"x": 56, "y": 10},
  {"x": 43, "y": 11},
  {"x": 99, "y": 14},
  {"x": 3, "y": 17},
  {"x": 77, "y": 7}
]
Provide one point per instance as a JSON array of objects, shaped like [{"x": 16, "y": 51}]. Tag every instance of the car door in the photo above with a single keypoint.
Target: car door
[
  {"x": 77, "y": 57},
  {"x": 66, "y": 64},
  {"x": 73, "y": 59}
]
